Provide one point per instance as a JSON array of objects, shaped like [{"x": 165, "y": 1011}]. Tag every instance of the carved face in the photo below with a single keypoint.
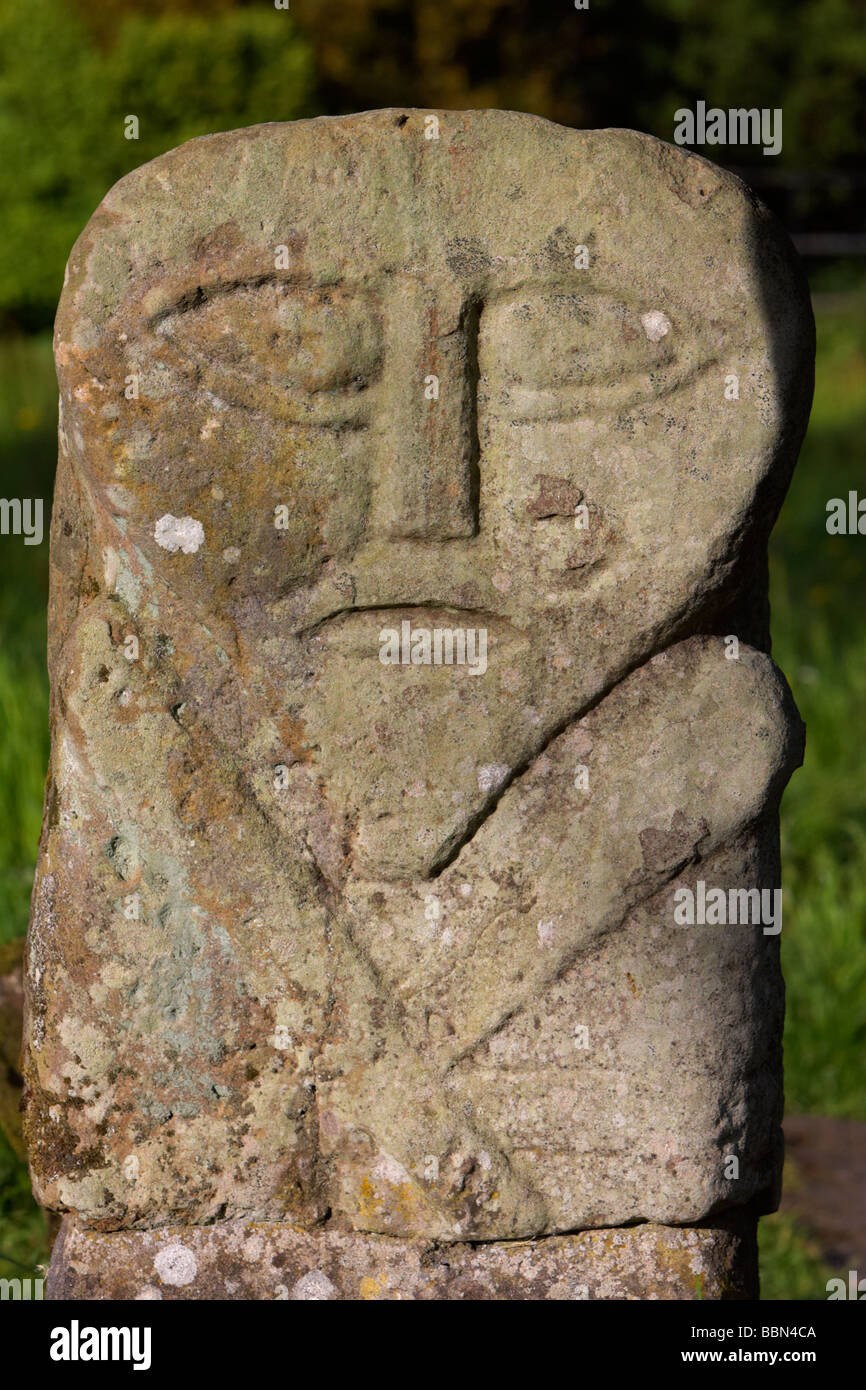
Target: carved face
[
  {"x": 336, "y": 386},
  {"x": 413, "y": 386}
]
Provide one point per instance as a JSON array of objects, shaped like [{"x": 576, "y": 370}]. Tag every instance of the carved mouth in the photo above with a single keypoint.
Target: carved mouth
[{"x": 440, "y": 614}]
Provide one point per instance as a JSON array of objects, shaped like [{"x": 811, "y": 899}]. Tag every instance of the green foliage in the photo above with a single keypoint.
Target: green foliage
[
  {"x": 52, "y": 128},
  {"x": 591, "y": 68},
  {"x": 63, "y": 101},
  {"x": 582, "y": 68},
  {"x": 806, "y": 56},
  {"x": 71, "y": 71},
  {"x": 28, "y": 443},
  {"x": 186, "y": 76},
  {"x": 818, "y": 599},
  {"x": 790, "y": 1262},
  {"x": 23, "y": 759},
  {"x": 23, "y": 1235}
]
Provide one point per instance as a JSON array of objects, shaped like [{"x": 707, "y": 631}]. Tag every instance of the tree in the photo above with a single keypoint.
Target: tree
[{"x": 63, "y": 104}]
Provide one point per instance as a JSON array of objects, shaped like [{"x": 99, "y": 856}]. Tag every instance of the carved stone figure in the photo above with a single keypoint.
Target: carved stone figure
[{"x": 350, "y": 948}]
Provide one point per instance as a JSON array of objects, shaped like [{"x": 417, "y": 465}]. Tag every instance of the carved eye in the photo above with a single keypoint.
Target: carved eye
[
  {"x": 328, "y": 341},
  {"x": 557, "y": 356},
  {"x": 303, "y": 355}
]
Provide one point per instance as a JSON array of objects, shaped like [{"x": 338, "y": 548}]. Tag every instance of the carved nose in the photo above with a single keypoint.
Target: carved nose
[{"x": 429, "y": 481}]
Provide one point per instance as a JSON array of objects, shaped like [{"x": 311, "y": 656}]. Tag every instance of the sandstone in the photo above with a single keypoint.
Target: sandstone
[
  {"x": 349, "y": 952},
  {"x": 275, "y": 1262}
]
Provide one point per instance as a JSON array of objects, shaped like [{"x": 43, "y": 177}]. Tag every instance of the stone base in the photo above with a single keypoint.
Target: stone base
[{"x": 257, "y": 1260}]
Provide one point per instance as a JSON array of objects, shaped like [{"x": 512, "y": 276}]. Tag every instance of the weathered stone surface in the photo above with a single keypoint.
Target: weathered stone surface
[
  {"x": 237, "y": 1260},
  {"x": 391, "y": 948}
]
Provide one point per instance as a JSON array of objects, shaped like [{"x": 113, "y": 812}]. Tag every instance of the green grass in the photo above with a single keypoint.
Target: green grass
[
  {"x": 28, "y": 426},
  {"x": 791, "y": 1263},
  {"x": 818, "y": 595},
  {"x": 818, "y": 600},
  {"x": 23, "y": 1239},
  {"x": 23, "y": 752}
]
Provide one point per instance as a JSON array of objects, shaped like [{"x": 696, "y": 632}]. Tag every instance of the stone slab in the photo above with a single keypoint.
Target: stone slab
[{"x": 237, "y": 1260}]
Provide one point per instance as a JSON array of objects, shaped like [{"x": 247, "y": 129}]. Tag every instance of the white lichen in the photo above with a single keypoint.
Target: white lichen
[
  {"x": 655, "y": 325},
  {"x": 179, "y": 533},
  {"x": 176, "y": 1265}
]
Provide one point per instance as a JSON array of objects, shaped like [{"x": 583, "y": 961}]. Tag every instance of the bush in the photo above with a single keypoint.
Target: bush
[{"x": 62, "y": 107}]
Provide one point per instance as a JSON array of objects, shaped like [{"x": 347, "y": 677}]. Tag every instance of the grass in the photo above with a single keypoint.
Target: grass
[
  {"x": 28, "y": 427},
  {"x": 791, "y": 1262},
  {"x": 818, "y": 595},
  {"x": 23, "y": 1237}
]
